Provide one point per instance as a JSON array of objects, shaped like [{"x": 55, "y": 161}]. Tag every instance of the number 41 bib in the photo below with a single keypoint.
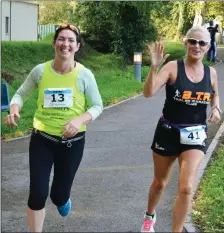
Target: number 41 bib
[
  {"x": 58, "y": 97},
  {"x": 194, "y": 135}
]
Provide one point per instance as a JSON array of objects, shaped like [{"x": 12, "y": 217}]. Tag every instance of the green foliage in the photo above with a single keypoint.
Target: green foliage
[
  {"x": 96, "y": 22},
  {"x": 13, "y": 54},
  {"x": 162, "y": 19},
  {"x": 214, "y": 9},
  {"x": 51, "y": 12},
  {"x": 165, "y": 17},
  {"x": 111, "y": 27},
  {"x": 174, "y": 48},
  {"x": 208, "y": 210},
  {"x": 131, "y": 32},
  {"x": 188, "y": 16},
  {"x": 177, "y": 13},
  {"x": 173, "y": 19},
  {"x": 49, "y": 37},
  {"x": 96, "y": 61},
  {"x": 114, "y": 83}
]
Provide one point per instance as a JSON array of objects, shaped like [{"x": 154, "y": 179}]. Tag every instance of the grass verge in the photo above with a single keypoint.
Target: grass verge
[
  {"x": 114, "y": 82},
  {"x": 208, "y": 211}
]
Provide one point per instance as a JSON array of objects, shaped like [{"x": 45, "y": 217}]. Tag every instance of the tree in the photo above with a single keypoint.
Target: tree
[
  {"x": 162, "y": 18},
  {"x": 214, "y": 9},
  {"x": 177, "y": 15},
  {"x": 56, "y": 12},
  {"x": 133, "y": 28},
  {"x": 95, "y": 19},
  {"x": 120, "y": 27}
]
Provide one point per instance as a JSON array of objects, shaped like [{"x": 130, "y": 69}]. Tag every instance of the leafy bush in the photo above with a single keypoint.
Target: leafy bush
[{"x": 119, "y": 32}]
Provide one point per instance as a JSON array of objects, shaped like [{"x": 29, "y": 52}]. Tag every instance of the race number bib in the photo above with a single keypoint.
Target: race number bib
[
  {"x": 58, "y": 97},
  {"x": 194, "y": 135}
]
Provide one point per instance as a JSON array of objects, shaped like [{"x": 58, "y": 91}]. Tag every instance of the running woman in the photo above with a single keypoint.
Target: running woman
[
  {"x": 181, "y": 131},
  {"x": 65, "y": 87}
]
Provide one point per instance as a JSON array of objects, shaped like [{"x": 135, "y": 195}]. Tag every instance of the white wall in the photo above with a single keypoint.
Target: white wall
[
  {"x": 5, "y": 13},
  {"x": 24, "y": 22}
]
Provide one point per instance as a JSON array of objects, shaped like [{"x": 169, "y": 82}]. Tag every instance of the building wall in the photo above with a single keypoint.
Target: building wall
[
  {"x": 24, "y": 21},
  {"x": 5, "y": 13}
]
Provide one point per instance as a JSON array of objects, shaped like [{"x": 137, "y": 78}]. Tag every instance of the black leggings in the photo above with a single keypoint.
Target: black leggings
[{"x": 43, "y": 153}]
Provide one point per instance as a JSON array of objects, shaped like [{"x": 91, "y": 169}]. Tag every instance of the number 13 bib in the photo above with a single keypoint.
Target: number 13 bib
[
  {"x": 194, "y": 135},
  {"x": 58, "y": 97}
]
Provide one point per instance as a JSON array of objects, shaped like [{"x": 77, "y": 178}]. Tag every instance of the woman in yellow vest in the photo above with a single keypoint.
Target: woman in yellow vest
[{"x": 65, "y": 86}]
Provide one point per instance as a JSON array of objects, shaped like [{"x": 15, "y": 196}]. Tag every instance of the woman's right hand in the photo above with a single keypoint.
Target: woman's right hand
[
  {"x": 11, "y": 118},
  {"x": 156, "y": 55}
]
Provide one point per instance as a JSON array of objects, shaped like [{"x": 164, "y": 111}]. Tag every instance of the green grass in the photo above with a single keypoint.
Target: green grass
[
  {"x": 20, "y": 57},
  {"x": 49, "y": 37},
  {"x": 175, "y": 49},
  {"x": 115, "y": 83},
  {"x": 208, "y": 211}
]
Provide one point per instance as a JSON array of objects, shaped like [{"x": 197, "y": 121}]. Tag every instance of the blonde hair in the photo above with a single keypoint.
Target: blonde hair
[{"x": 199, "y": 29}]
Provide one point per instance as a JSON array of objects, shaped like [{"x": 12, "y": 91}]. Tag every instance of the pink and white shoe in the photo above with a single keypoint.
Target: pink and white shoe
[{"x": 148, "y": 223}]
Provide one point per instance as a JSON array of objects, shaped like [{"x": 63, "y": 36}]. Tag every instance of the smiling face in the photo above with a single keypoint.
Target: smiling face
[
  {"x": 197, "y": 49},
  {"x": 66, "y": 44}
]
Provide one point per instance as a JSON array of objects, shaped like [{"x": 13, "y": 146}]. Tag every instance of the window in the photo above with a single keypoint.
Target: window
[{"x": 6, "y": 25}]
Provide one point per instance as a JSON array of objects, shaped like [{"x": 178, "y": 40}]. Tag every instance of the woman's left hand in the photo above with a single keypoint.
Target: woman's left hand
[
  {"x": 71, "y": 128},
  {"x": 215, "y": 116}
]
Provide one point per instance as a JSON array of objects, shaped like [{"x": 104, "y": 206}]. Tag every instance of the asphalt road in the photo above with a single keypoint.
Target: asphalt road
[{"x": 110, "y": 190}]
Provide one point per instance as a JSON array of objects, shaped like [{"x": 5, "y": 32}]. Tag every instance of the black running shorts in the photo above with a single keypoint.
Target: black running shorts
[{"x": 166, "y": 141}]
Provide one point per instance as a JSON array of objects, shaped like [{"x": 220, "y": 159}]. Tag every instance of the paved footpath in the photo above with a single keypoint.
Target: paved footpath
[{"x": 110, "y": 190}]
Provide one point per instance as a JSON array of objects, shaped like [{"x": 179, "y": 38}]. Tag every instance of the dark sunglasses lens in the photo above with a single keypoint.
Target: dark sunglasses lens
[
  {"x": 192, "y": 41},
  {"x": 202, "y": 43}
]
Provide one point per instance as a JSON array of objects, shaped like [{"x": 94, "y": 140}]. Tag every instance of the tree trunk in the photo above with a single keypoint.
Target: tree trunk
[{"x": 180, "y": 22}]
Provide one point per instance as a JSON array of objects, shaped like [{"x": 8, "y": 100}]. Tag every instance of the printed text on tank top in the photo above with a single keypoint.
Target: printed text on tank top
[
  {"x": 186, "y": 101},
  {"x": 187, "y": 96}
]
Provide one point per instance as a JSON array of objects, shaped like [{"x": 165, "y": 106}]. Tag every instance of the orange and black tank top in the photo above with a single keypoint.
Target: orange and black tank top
[{"x": 186, "y": 102}]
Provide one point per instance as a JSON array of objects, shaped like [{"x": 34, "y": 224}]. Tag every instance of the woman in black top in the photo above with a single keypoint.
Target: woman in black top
[{"x": 181, "y": 131}]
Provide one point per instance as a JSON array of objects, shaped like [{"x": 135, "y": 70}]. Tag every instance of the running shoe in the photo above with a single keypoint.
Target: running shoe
[
  {"x": 148, "y": 223},
  {"x": 65, "y": 209}
]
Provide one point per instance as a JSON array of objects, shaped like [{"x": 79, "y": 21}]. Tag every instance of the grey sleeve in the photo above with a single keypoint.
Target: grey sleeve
[
  {"x": 87, "y": 85},
  {"x": 27, "y": 88}
]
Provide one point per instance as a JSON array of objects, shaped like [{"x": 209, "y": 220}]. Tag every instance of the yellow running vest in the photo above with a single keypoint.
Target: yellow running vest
[{"x": 57, "y": 90}]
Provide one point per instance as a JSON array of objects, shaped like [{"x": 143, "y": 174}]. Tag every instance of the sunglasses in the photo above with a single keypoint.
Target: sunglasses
[
  {"x": 193, "y": 41},
  {"x": 69, "y": 26}
]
